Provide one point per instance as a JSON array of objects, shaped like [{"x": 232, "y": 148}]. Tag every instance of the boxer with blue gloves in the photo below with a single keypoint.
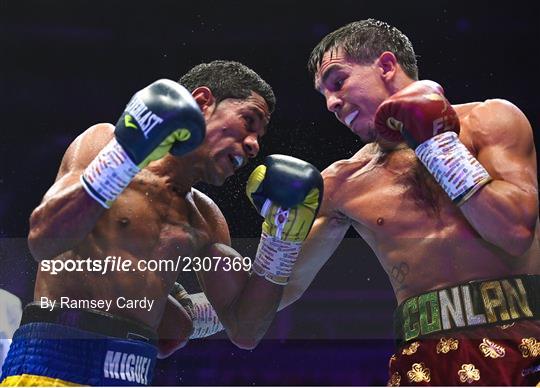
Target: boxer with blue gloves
[{"x": 124, "y": 198}]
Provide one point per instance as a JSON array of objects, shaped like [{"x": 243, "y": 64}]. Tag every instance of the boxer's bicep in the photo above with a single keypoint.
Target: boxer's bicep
[
  {"x": 221, "y": 279},
  {"x": 225, "y": 281},
  {"x": 504, "y": 212},
  {"x": 67, "y": 213}
]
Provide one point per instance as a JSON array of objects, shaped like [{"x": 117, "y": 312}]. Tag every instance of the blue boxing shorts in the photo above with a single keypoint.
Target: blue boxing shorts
[{"x": 79, "y": 347}]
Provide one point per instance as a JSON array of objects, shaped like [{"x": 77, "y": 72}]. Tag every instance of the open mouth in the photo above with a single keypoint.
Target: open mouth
[
  {"x": 350, "y": 118},
  {"x": 236, "y": 161}
]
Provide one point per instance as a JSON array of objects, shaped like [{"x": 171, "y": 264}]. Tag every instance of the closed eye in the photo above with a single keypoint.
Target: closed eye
[
  {"x": 254, "y": 122},
  {"x": 338, "y": 83},
  {"x": 250, "y": 121}
]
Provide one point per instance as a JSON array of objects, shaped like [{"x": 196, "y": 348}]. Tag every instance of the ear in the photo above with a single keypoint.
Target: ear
[
  {"x": 387, "y": 63},
  {"x": 204, "y": 97}
]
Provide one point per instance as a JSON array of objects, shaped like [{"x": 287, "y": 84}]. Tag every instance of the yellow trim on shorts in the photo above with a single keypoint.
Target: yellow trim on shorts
[{"x": 35, "y": 381}]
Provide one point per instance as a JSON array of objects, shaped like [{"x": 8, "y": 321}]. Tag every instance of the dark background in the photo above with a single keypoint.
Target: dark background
[{"x": 65, "y": 65}]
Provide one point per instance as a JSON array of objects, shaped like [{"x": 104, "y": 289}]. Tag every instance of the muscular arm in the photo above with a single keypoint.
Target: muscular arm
[
  {"x": 323, "y": 239},
  {"x": 174, "y": 329},
  {"x": 67, "y": 213},
  {"x": 505, "y": 211},
  {"x": 246, "y": 304}
]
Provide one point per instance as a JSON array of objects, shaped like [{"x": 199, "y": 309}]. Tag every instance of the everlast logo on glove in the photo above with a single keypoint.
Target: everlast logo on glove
[{"x": 144, "y": 116}]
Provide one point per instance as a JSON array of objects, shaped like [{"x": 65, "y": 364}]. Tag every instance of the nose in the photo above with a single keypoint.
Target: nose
[
  {"x": 251, "y": 146},
  {"x": 333, "y": 103}
]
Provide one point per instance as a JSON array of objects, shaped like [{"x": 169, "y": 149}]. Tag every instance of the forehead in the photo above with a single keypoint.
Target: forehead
[
  {"x": 332, "y": 59},
  {"x": 255, "y": 103}
]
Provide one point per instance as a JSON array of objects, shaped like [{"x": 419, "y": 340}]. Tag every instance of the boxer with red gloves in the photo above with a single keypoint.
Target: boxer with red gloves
[
  {"x": 423, "y": 117},
  {"x": 447, "y": 198}
]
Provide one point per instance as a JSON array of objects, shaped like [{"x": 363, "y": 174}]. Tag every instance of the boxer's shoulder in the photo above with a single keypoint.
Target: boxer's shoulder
[
  {"x": 85, "y": 147},
  {"x": 493, "y": 121},
  {"x": 212, "y": 215},
  {"x": 204, "y": 203},
  {"x": 361, "y": 162},
  {"x": 347, "y": 177},
  {"x": 96, "y": 135}
]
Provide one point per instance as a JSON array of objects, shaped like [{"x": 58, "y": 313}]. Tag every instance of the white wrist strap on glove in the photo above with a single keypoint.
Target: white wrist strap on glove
[
  {"x": 458, "y": 172},
  {"x": 205, "y": 319},
  {"x": 108, "y": 174},
  {"x": 275, "y": 259}
]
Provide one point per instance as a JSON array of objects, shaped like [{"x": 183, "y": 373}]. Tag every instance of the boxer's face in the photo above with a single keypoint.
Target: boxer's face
[
  {"x": 352, "y": 91},
  {"x": 233, "y": 132}
]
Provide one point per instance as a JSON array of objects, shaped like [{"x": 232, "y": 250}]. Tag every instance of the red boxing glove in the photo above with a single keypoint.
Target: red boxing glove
[{"x": 416, "y": 114}]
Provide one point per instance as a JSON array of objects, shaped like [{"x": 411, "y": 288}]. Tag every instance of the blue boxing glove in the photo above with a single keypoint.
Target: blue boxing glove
[
  {"x": 287, "y": 192},
  {"x": 161, "y": 118}
]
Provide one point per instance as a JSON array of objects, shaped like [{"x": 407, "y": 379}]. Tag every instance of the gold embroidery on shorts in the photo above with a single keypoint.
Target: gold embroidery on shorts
[
  {"x": 530, "y": 347},
  {"x": 491, "y": 349},
  {"x": 419, "y": 373},
  {"x": 411, "y": 349},
  {"x": 504, "y": 327},
  {"x": 468, "y": 373},
  {"x": 395, "y": 380},
  {"x": 445, "y": 345}
]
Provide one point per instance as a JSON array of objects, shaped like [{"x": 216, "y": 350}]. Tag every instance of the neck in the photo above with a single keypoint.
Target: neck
[
  {"x": 399, "y": 82},
  {"x": 388, "y": 146},
  {"x": 180, "y": 173}
]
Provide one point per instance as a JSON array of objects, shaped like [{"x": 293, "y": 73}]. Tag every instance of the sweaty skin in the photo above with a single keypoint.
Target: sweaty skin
[
  {"x": 150, "y": 220},
  {"x": 422, "y": 240},
  {"x": 158, "y": 216}
]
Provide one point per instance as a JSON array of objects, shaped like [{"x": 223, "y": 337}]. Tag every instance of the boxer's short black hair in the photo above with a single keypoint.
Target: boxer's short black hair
[
  {"x": 363, "y": 41},
  {"x": 228, "y": 79}
]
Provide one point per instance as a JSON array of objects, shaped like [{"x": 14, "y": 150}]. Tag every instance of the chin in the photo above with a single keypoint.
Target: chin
[
  {"x": 367, "y": 134},
  {"x": 364, "y": 135},
  {"x": 219, "y": 183},
  {"x": 218, "y": 179}
]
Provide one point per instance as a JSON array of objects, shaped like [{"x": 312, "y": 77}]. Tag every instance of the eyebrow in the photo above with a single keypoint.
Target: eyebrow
[
  {"x": 262, "y": 118},
  {"x": 326, "y": 74}
]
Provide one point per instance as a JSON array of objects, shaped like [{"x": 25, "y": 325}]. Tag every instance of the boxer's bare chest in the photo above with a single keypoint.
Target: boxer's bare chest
[
  {"x": 149, "y": 225},
  {"x": 421, "y": 239},
  {"x": 393, "y": 197},
  {"x": 151, "y": 220}
]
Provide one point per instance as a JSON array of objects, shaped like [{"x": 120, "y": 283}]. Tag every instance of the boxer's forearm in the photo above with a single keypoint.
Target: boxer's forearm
[
  {"x": 504, "y": 215},
  {"x": 245, "y": 304},
  {"x": 247, "y": 320},
  {"x": 63, "y": 220},
  {"x": 174, "y": 329},
  {"x": 325, "y": 236}
]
